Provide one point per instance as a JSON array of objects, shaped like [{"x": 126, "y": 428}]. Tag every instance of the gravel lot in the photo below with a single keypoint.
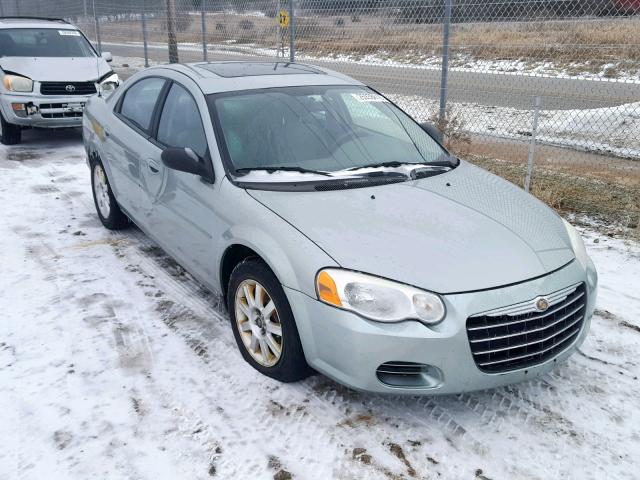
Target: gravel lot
[{"x": 116, "y": 364}]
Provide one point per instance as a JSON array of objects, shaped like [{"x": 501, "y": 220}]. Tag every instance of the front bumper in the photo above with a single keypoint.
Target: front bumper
[
  {"x": 44, "y": 111},
  {"x": 349, "y": 349}
]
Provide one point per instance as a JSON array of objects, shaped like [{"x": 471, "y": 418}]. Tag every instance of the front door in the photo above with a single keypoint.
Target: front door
[{"x": 182, "y": 213}]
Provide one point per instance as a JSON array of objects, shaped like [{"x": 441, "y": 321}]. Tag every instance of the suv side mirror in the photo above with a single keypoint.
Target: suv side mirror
[
  {"x": 186, "y": 160},
  {"x": 433, "y": 131},
  {"x": 107, "y": 56}
]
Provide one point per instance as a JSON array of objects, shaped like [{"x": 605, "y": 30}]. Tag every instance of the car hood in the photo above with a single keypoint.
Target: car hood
[
  {"x": 460, "y": 231},
  {"x": 57, "y": 69}
]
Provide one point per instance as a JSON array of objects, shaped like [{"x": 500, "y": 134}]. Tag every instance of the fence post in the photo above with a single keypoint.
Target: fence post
[
  {"x": 97, "y": 22},
  {"x": 144, "y": 34},
  {"x": 532, "y": 145},
  {"x": 204, "y": 31},
  {"x": 445, "y": 60},
  {"x": 172, "y": 40},
  {"x": 292, "y": 32}
]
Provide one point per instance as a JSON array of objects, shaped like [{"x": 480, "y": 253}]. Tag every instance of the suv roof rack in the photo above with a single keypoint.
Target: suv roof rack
[{"x": 48, "y": 19}]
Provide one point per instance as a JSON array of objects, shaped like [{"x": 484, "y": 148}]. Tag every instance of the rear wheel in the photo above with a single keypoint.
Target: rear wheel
[
  {"x": 263, "y": 324},
  {"x": 108, "y": 210},
  {"x": 9, "y": 134}
]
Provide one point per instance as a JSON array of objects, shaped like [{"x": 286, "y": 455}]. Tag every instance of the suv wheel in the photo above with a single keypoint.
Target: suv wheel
[
  {"x": 108, "y": 210},
  {"x": 263, "y": 324},
  {"x": 9, "y": 134}
]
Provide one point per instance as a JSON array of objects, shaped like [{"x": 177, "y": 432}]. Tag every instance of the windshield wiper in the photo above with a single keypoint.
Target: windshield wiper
[
  {"x": 393, "y": 164},
  {"x": 396, "y": 164},
  {"x": 284, "y": 168}
]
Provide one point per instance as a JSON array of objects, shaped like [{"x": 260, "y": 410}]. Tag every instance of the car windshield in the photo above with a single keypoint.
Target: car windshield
[
  {"x": 43, "y": 42},
  {"x": 325, "y": 130}
]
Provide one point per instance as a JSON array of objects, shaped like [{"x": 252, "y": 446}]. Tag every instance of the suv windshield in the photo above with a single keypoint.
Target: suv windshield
[
  {"x": 332, "y": 130},
  {"x": 43, "y": 42}
]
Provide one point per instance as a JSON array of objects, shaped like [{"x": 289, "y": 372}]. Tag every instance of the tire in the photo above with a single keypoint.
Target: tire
[
  {"x": 106, "y": 206},
  {"x": 10, "y": 134},
  {"x": 291, "y": 365}
]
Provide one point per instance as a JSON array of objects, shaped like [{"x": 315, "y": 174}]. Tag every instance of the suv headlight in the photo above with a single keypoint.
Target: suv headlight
[
  {"x": 376, "y": 298},
  {"x": 577, "y": 244},
  {"x": 109, "y": 84},
  {"x": 17, "y": 83}
]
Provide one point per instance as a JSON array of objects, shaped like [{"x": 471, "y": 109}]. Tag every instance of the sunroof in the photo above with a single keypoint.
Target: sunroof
[{"x": 252, "y": 69}]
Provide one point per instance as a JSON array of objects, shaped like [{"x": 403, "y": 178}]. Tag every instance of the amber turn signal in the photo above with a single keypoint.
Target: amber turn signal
[{"x": 327, "y": 290}]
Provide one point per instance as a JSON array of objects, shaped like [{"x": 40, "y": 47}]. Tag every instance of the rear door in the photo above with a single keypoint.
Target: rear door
[{"x": 128, "y": 142}]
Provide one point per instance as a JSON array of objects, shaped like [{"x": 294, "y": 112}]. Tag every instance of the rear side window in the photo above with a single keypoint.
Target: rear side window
[
  {"x": 140, "y": 100},
  {"x": 180, "y": 123}
]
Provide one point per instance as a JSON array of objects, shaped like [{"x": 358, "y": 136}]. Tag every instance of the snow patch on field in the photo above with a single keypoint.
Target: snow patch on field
[
  {"x": 116, "y": 364},
  {"x": 608, "y": 130}
]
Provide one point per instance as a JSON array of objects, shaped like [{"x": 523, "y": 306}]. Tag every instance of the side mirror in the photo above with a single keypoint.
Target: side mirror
[
  {"x": 433, "y": 131},
  {"x": 186, "y": 160},
  {"x": 107, "y": 56}
]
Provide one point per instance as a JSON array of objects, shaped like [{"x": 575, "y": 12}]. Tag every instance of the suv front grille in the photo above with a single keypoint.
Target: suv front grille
[
  {"x": 67, "y": 88},
  {"x": 521, "y": 336}
]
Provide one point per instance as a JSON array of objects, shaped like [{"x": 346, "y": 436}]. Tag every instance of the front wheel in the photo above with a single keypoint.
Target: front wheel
[
  {"x": 263, "y": 323},
  {"x": 9, "y": 134},
  {"x": 108, "y": 209}
]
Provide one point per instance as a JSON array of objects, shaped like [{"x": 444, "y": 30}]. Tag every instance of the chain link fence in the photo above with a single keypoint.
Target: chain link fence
[{"x": 542, "y": 92}]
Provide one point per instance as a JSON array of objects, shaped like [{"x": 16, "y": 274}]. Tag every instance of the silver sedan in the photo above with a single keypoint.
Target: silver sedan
[{"x": 343, "y": 236}]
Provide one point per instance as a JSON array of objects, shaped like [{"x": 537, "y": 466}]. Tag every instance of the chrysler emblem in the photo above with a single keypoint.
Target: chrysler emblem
[
  {"x": 70, "y": 88},
  {"x": 542, "y": 304}
]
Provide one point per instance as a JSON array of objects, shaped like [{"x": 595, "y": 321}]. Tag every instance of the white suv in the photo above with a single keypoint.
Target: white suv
[{"x": 48, "y": 69}]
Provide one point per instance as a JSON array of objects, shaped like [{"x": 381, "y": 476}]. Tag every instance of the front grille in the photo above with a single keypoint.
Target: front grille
[
  {"x": 67, "y": 88},
  {"x": 60, "y": 110},
  {"x": 521, "y": 336}
]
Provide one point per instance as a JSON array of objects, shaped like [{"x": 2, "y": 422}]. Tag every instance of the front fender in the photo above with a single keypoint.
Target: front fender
[{"x": 293, "y": 258}]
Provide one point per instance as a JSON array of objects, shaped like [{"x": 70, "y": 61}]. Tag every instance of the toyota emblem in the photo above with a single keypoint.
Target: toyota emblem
[
  {"x": 70, "y": 88},
  {"x": 542, "y": 304}
]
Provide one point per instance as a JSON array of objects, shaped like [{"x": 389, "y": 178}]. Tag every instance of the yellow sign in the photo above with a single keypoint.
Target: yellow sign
[{"x": 283, "y": 18}]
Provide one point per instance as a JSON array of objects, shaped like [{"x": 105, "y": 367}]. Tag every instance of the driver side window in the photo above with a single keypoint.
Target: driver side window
[
  {"x": 139, "y": 102},
  {"x": 180, "y": 123}
]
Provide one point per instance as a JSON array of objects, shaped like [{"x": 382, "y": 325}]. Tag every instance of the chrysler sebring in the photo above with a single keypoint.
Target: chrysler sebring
[{"x": 344, "y": 238}]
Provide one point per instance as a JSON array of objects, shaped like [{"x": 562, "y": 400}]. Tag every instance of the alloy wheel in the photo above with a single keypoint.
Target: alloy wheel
[
  {"x": 101, "y": 191},
  {"x": 258, "y": 322}
]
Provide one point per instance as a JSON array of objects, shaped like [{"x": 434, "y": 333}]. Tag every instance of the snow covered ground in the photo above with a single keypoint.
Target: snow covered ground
[{"x": 116, "y": 364}]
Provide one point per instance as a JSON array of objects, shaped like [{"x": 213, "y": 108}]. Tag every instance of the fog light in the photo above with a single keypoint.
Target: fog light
[{"x": 19, "y": 109}]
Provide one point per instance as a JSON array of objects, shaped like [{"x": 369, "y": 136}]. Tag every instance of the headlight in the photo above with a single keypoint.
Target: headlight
[
  {"x": 109, "y": 84},
  {"x": 376, "y": 298},
  {"x": 577, "y": 244},
  {"x": 16, "y": 83}
]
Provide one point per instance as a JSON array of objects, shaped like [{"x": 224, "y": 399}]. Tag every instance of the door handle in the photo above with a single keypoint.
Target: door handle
[{"x": 153, "y": 166}]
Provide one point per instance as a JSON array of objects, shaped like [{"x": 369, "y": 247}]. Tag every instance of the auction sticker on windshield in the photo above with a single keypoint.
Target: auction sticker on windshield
[
  {"x": 368, "y": 97},
  {"x": 71, "y": 33}
]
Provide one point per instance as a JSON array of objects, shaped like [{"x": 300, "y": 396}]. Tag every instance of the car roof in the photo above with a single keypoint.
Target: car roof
[
  {"x": 227, "y": 76},
  {"x": 35, "y": 22}
]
